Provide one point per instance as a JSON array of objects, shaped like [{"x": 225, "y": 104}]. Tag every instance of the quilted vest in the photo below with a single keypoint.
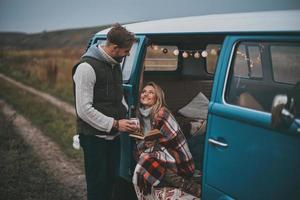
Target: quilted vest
[{"x": 108, "y": 93}]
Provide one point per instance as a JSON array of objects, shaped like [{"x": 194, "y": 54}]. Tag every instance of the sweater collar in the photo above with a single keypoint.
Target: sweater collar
[
  {"x": 107, "y": 57},
  {"x": 145, "y": 112}
]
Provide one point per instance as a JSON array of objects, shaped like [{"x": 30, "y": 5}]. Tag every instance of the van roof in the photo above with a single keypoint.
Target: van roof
[{"x": 264, "y": 21}]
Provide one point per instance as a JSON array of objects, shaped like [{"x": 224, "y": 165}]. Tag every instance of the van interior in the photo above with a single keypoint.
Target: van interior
[
  {"x": 187, "y": 76},
  {"x": 183, "y": 66}
]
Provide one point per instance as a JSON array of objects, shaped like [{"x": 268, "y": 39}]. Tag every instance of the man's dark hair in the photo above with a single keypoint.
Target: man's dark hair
[{"x": 120, "y": 36}]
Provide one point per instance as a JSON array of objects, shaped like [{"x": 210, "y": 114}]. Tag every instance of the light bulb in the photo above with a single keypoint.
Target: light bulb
[
  {"x": 204, "y": 54},
  {"x": 185, "y": 54},
  {"x": 197, "y": 55},
  {"x": 176, "y": 52},
  {"x": 213, "y": 52},
  {"x": 155, "y": 47}
]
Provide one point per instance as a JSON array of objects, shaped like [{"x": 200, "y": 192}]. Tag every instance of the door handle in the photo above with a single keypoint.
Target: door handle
[{"x": 216, "y": 142}]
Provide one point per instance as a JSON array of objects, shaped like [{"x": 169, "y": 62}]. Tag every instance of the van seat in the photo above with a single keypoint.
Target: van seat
[{"x": 247, "y": 100}]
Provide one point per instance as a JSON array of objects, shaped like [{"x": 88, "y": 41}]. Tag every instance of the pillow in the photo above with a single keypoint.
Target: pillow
[{"x": 197, "y": 108}]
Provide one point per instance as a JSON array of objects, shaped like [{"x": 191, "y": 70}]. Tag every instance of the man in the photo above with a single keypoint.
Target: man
[{"x": 101, "y": 109}]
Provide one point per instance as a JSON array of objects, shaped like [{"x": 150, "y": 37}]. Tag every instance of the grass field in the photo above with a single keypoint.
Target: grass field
[{"x": 46, "y": 70}]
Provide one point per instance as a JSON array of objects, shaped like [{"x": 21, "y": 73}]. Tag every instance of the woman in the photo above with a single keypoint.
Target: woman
[{"x": 164, "y": 160}]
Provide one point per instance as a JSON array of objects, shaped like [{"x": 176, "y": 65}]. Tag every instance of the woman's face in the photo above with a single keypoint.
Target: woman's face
[{"x": 148, "y": 96}]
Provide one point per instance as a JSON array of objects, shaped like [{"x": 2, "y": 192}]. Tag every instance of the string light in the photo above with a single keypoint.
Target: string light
[
  {"x": 197, "y": 53},
  {"x": 155, "y": 47},
  {"x": 185, "y": 54},
  {"x": 204, "y": 54},
  {"x": 176, "y": 52},
  {"x": 192, "y": 53},
  {"x": 213, "y": 52}
]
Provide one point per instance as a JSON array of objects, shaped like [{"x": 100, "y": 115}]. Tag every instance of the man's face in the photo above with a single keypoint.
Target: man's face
[{"x": 120, "y": 53}]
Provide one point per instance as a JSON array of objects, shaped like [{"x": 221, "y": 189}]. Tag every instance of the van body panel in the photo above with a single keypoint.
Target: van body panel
[
  {"x": 259, "y": 162},
  {"x": 210, "y": 193}
]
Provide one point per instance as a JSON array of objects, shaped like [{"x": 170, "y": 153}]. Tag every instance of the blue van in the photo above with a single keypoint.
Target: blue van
[{"x": 240, "y": 62}]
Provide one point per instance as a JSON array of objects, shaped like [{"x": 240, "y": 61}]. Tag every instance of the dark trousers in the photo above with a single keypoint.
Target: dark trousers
[{"x": 101, "y": 159}]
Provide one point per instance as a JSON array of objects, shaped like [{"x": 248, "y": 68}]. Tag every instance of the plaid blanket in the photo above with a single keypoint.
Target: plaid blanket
[{"x": 170, "y": 152}]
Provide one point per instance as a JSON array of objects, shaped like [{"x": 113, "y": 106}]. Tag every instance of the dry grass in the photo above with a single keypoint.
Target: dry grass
[{"x": 47, "y": 70}]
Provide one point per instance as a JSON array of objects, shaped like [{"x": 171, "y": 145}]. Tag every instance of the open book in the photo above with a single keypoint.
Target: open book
[{"x": 150, "y": 135}]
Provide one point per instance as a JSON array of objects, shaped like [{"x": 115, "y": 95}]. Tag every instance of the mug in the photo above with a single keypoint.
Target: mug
[{"x": 136, "y": 122}]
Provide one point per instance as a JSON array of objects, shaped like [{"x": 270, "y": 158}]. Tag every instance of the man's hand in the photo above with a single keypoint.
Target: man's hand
[{"x": 126, "y": 125}]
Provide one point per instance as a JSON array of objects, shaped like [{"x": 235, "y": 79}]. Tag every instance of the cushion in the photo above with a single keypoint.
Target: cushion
[{"x": 197, "y": 108}]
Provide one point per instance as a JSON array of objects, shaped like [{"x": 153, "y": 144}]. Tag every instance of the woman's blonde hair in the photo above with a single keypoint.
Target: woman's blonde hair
[{"x": 159, "y": 103}]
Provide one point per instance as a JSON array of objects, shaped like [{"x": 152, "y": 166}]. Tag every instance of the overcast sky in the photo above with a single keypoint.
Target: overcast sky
[{"x": 40, "y": 15}]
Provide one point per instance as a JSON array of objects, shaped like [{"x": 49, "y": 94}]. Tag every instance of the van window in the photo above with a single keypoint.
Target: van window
[
  {"x": 128, "y": 62},
  {"x": 248, "y": 61},
  {"x": 246, "y": 86},
  {"x": 161, "y": 58},
  {"x": 213, "y": 51},
  {"x": 285, "y": 61}
]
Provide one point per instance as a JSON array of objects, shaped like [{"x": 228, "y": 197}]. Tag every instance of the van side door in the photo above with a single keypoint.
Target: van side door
[
  {"x": 131, "y": 69},
  {"x": 245, "y": 158}
]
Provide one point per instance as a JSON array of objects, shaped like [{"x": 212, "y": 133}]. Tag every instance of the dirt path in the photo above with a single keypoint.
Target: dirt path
[
  {"x": 52, "y": 158},
  {"x": 56, "y": 102}
]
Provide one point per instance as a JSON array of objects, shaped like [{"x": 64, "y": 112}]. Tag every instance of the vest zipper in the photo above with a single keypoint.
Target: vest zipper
[
  {"x": 113, "y": 73},
  {"x": 106, "y": 78}
]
